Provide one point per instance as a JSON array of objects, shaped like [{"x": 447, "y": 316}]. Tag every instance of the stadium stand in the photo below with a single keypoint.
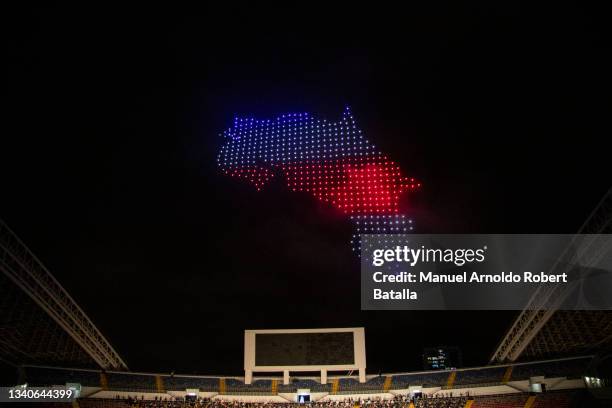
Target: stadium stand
[
  {"x": 572, "y": 368},
  {"x": 42, "y": 376},
  {"x": 297, "y": 383},
  {"x": 557, "y": 399},
  {"x": 501, "y": 401},
  {"x": 434, "y": 379},
  {"x": 442, "y": 402},
  {"x": 472, "y": 377},
  {"x": 131, "y": 382},
  {"x": 46, "y": 405},
  {"x": 257, "y": 387},
  {"x": 491, "y": 375},
  {"x": 181, "y": 383},
  {"x": 352, "y": 386},
  {"x": 554, "y": 399}
]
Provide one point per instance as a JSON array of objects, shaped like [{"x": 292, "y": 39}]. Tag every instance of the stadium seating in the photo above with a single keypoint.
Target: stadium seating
[
  {"x": 434, "y": 379},
  {"x": 40, "y": 405},
  {"x": 501, "y": 401},
  {"x": 484, "y": 376},
  {"x": 352, "y": 386},
  {"x": 181, "y": 383},
  {"x": 104, "y": 403},
  {"x": 574, "y": 368},
  {"x": 557, "y": 399},
  {"x": 443, "y": 402},
  {"x": 554, "y": 399},
  {"x": 258, "y": 387},
  {"x": 36, "y": 376},
  {"x": 131, "y": 382},
  {"x": 312, "y": 385},
  {"x": 462, "y": 378}
]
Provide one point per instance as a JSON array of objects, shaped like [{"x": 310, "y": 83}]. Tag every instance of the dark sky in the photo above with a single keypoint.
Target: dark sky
[{"x": 112, "y": 129}]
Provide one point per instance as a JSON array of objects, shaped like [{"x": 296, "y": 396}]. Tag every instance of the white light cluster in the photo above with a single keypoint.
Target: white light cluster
[{"x": 378, "y": 224}]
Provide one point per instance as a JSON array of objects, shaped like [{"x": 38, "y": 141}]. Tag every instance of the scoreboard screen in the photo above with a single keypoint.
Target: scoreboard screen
[{"x": 304, "y": 349}]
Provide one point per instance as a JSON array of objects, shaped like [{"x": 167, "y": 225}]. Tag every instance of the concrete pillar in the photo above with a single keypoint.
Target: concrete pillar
[
  {"x": 248, "y": 377},
  {"x": 323, "y": 376},
  {"x": 286, "y": 377}
]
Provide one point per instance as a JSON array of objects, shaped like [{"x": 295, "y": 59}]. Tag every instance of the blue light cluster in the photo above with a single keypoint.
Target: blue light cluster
[{"x": 291, "y": 138}]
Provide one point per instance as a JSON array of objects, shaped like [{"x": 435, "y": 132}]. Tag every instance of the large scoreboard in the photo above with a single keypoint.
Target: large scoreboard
[{"x": 323, "y": 350}]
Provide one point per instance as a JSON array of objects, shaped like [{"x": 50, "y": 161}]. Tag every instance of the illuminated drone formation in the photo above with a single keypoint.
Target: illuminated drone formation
[{"x": 331, "y": 160}]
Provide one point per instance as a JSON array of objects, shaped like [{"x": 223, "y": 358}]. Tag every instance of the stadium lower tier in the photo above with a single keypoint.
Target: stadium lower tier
[
  {"x": 555, "y": 399},
  {"x": 502, "y": 375}
]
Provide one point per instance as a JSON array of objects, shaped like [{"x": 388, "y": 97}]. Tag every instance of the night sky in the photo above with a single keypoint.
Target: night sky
[{"x": 108, "y": 153}]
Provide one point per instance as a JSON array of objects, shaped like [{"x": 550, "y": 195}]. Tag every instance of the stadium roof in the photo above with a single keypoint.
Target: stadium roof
[
  {"x": 542, "y": 331},
  {"x": 40, "y": 323}
]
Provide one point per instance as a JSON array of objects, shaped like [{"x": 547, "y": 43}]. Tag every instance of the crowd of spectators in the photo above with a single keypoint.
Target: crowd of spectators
[
  {"x": 444, "y": 400},
  {"x": 135, "y": 402}
]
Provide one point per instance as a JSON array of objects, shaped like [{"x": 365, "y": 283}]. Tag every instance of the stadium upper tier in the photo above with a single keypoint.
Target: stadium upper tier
[{"x": 571, "y": 368}]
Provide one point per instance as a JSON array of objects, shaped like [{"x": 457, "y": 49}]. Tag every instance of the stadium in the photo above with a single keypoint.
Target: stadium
[
  {"x": 53, "y": 343},
  {"x": 248, "y": 206}
]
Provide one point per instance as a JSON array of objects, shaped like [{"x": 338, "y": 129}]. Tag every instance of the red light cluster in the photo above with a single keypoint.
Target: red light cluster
[
  {"x": 256, "y": 175},
  {"x": 354, "y": 185}
]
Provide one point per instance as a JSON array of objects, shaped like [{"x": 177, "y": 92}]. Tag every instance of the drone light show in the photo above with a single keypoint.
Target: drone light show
[{"x": 333, "y": 161}]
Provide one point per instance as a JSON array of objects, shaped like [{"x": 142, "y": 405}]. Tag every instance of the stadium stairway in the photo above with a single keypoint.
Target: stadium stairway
[
  {"x": 507, "y": 375},
  {"x": 387, "y": 384},
  {"x": 274, "y": 387},
  {"x": 103, "y": 381},
  {"x": 335, "y": 386},
  {"x": 159, "y": 384},
  {"x": 469, "y": 403},
  {"x": 222, "y": 386},
  {"x": 451, "y": 379},
  {"x": 530, "y": 401}
]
